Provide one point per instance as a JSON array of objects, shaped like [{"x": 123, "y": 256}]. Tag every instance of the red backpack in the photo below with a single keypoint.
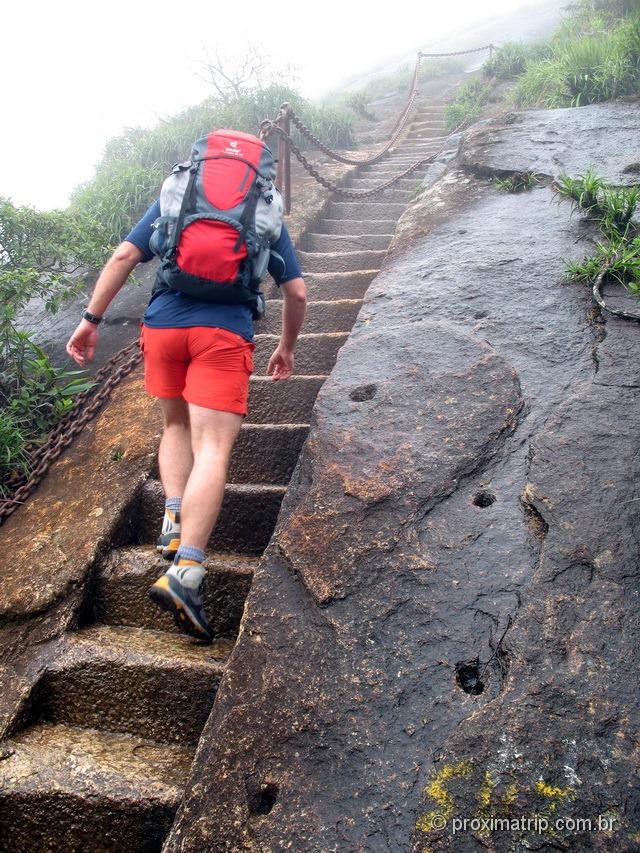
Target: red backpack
[{"x": 219, "y": 213}]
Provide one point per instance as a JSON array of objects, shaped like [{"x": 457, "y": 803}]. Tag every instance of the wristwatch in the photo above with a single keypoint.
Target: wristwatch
[{"x": 92, "y": 318}]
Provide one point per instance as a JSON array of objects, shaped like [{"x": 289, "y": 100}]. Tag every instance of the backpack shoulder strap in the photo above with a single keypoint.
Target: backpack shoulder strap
[{"x": 186, "y": 198}]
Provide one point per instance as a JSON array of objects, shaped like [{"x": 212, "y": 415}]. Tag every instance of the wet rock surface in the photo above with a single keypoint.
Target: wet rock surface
[
  {"x": 440, "y": 623},
  {"x": 50, "y": 546},
  {"x": 549, "y": 142}
]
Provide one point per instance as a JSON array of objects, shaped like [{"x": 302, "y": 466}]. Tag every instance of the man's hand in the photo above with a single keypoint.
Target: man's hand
[
  {"x": 295, "y": 299},
  {"x": 281, "y": 363},
  {"x": 83, "y": 342}
]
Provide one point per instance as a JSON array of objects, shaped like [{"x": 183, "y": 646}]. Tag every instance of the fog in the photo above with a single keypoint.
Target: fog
[{"x": 76, "y": 74}]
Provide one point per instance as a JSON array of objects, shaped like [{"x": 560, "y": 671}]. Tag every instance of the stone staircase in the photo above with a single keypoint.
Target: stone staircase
[{"x": 106, "y": 745}]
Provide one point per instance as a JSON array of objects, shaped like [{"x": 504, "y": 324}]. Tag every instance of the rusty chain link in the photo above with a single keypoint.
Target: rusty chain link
[
  {"x": 358, "y": 194},
  {"x": 458, "y": 52},
  {"x": 356, "y": 161},
  {"x": 598, "y": 297},
  {"x": 88, "y": 403},
  {"x": 287, "y": 109},
  {"x": 85, "y": 407}
]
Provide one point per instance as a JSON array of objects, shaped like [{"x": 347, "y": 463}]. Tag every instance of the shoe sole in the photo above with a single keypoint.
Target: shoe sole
[{"x": 162, "y": 595}]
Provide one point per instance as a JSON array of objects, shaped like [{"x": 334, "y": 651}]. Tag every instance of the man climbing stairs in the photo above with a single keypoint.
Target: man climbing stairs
[{"x": 106, "y": 742}]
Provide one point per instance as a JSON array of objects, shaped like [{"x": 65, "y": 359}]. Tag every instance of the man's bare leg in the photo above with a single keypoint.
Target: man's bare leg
[
  {"x": 175, "y": 459},
  {"x": 178, "y": 590},
  {"x": 175, "y": 456},
  {"x": 212, "y": 436}
]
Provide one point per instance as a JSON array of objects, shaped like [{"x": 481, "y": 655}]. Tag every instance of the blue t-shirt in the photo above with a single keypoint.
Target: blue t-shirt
[{"x": 174, "y": 310}]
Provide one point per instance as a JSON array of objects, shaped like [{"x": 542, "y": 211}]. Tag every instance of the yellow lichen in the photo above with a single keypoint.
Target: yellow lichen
[
  {"x": 552, "y": 792},
  {"x": 437, "y": 792},
  {"x": 484, "y": 794},
  {"x": 510, "y": 794}
]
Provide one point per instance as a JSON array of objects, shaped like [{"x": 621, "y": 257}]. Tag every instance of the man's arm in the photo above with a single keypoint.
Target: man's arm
[
  {"x": 82, "y": 343},
  {"x": 295, "y": 300}
]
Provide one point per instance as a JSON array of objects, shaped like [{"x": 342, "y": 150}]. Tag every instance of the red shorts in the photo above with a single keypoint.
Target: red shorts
[{"x": 208, "y": 367}]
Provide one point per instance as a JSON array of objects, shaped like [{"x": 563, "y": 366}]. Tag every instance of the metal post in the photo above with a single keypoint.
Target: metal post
[
  {"x": 286, "y": 171},
  {"x": 281, "y": 156}
]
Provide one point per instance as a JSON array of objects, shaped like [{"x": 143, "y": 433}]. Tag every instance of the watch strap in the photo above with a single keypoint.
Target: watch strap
[{"x": 92, "y": 318}]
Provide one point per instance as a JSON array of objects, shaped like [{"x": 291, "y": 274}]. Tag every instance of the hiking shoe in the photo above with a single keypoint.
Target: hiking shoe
[
  {"x": 184, "y": 604},
  {"x": 168, "y": 544},
  {"x": 169, "y": 539}
]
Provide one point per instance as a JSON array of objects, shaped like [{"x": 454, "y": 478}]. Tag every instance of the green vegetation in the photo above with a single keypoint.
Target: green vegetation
[
  {"x": 468, "y": 104},
  {"x": 40, "y": 256},
  {"x": 613, "y": 210},
  {"x": 594, "y": 56},
  {"x": 511, "y": 60},
  {"x": 44, "y": 255},
  {"x": 393, "y": 83},
  {"x": 134, "y": 164},
  {"x": 516, "y": 183}
]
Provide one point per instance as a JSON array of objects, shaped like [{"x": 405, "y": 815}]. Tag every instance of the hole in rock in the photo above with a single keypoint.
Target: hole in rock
[
  {"x": 468, "y": 677},
  {"x": 363, "y": 392},
  {"x": 263, "y": 800},
  {"x": 483, "y": 499}
]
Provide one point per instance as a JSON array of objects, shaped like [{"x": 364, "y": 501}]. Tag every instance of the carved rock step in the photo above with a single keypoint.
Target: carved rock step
[
  {"x": 363, "y": 210},
  {"x": 405, "y": 157},
  {"x": 348, "y": 242},
  {"x": 394, "y": 194},
  {"x": 333, "y": 285},
  {"x": 346, "y": 261},
  {"x": 147, "y": 683},
  {"x": 315, "y": 353},
  {"x": 283, "y": 402},
  {"x": 413, "y": 146},
  {"x": 401, "y": 164},
  {"x": 425, "y": 124},
  {"x": 266, "y": 453},
  {"x": 247, "y": 517},
  {"x": 386, "y": 170},
  {"x": 332, "y": 315},
  {"x": 127, "y": 573},
  {"x": 369, "y": 183},
  {"x": 73, "y": 789},
  {"x": 432, "y": 132},
  {"x": 355, "y": 226}
]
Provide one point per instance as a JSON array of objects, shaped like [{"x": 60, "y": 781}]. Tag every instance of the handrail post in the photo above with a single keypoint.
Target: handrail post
[
  {"x": 281, "y": 156},
  {"x": 286, "y": 126}
]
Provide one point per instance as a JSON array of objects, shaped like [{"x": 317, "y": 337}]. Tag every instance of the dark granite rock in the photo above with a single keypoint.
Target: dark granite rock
[
  {"x": 559, "y": 743},
  {"x": 550, "y": 142},
  {"x": 423, "y": 617}
]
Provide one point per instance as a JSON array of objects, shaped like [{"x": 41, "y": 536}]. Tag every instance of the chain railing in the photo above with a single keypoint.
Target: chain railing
[
  {"x": 347, "y": 192},
  {"x": 286, "y": 116},
  {"x": 85, "y": 408},
  {"x": 87, "y": 404}
]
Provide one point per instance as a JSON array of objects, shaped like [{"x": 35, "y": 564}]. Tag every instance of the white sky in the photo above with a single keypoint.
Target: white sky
[{"x": 75, "y": 74}]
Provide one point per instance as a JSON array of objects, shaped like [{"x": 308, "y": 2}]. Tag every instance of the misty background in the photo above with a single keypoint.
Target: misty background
[{"x": 80, "y": 74}]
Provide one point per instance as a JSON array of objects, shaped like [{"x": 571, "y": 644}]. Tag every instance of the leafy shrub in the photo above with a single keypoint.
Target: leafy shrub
[
  {"x": 14, "y": 459},
  {"x": 468, "y": 104},
  {"x": 134, "y": 164},
  {"x": 613, "y": 208},
  {"x": 584, "y": 190},
  {"x": 358, "y": 102},
  {"x": 584, "y": 68},
  {"x": 516, "y": 183},
  {"x": 507, "y": 62},
  {"x": 41, "y": 256}
]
